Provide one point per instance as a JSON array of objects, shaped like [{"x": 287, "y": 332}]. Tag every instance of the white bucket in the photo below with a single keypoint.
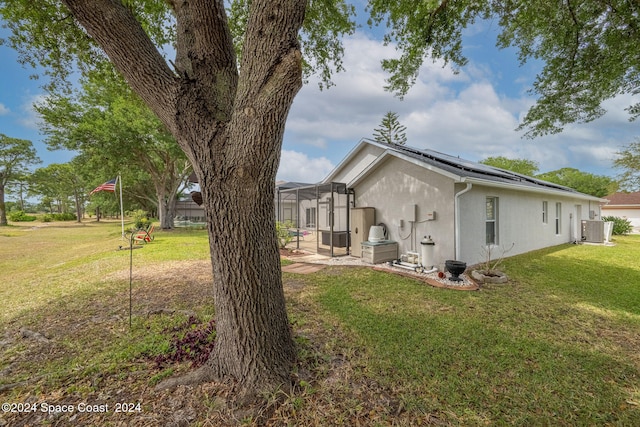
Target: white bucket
[{"x": 376, "y": 233}]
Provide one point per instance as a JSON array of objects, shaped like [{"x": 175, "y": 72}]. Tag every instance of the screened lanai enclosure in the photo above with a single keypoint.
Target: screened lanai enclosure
[{"x": 319, "y": 214}]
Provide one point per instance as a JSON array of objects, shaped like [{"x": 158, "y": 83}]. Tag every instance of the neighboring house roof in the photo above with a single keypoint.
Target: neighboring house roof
[
  {"x": 285, "y": 185},
  {"x": 460, "y": 170},
  {"x": 623, "y": 199}
]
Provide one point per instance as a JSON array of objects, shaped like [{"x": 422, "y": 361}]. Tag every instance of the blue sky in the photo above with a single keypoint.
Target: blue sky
[{"x": 472, "y": 114}]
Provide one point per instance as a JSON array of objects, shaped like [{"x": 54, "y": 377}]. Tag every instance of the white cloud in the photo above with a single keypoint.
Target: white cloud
[
  {"x": 298, "y": 167},
  {"x": 4, "y": 110},
  {"x": 353, "y": 108},
  {"x": 467, "y": 114},
  {"x": 30, "y": 118}
]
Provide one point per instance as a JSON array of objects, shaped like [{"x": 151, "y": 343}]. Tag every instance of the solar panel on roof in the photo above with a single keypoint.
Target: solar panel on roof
[{"x": 478, "y": 168}]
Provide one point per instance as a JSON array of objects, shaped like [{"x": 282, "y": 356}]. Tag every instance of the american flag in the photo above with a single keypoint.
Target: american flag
[{"x": 107, "y": 186}]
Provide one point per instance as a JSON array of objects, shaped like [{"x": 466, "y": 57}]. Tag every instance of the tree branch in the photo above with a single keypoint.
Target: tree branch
[
  {"x": 269, "y": 41},
  {"x": 120, "y": 35}
]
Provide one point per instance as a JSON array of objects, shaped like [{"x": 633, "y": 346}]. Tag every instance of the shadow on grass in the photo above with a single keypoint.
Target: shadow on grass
[
  {"x": 605, "y": 277},
  {"x": 483, "y": 363}
]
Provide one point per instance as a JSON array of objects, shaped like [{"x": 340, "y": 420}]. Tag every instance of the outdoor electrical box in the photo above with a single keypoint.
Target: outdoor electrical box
[
  {"x": 431, "y": 215},
  {"x": 409, "y": 213}
]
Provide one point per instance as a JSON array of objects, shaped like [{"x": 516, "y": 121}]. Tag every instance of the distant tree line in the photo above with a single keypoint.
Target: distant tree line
[
  {"x": 584, "y": 182},
  {"x": 115, "y": 134}
]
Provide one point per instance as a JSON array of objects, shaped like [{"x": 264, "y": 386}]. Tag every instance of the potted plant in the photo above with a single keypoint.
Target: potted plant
[{"x": 488, "y": 271}]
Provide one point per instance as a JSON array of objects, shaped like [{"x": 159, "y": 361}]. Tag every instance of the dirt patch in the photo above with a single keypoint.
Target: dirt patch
[
  {"x": 292, "y": 253},
  {"x": 176, "y": 283}
]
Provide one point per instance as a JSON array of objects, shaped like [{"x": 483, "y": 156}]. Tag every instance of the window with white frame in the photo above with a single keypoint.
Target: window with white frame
[
  {"x": 545, "y": 212},
  {"x": 558, "y": 217},
  {"x": 491, "y": 221}
]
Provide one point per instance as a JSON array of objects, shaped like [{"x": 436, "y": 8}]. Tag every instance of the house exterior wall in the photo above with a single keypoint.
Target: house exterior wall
[
  {"x": 357, "y": 164},
  {"x": 339, "y": 212},
  {"x": 405, "y": 188},
  {"x": 189, "y": 210},
  {"x": 520, "y": 221},
  {"x": 393, "y": 188},
  {"x": 288, "y": 211},
  {"x": 320, "y": 208},
  {"x": 308, "y": 214},
  {"x": 630, "y": 213}
]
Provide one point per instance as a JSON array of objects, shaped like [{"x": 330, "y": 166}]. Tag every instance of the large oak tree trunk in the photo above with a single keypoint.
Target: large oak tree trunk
[
  {"x": 230, "y": 124},
  {"x": 253, "y": 341}
]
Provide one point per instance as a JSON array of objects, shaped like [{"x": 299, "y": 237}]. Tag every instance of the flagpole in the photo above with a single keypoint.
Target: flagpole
[{"x": 121, "y": 209}]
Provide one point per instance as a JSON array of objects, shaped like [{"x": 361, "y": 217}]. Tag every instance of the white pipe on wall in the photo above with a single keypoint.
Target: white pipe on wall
[{"x": 456, "y": 229}]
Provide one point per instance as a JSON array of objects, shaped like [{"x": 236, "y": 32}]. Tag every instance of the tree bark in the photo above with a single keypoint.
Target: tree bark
[
  {"x": 3, "y": 208},
  {"x": 230, "y": 125},
  {"x": 76, "y": 198}
]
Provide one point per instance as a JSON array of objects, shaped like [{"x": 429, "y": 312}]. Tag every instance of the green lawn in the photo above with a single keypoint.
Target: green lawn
[{"x": 559, "y": 345}]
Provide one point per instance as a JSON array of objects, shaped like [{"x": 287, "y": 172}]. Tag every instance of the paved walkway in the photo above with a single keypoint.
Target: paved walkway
[{"x": 303, "y": 268}]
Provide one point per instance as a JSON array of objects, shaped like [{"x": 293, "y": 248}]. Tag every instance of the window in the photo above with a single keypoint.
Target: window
[
  {"x": 491, "y": 222},
  {"x": 558, "y": 217},
  {"x": 310, "y": 217},
  {"x": 545, "y": 212}
]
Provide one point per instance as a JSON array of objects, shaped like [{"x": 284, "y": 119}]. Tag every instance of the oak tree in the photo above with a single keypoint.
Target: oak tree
[
  {"x": 628, "y": 161},
  {"x": 61, "y": 182},
  {"x": 104, "y": 119},
  {"x": 224, "y": 98},
  {"x": 16, "y": 155}
]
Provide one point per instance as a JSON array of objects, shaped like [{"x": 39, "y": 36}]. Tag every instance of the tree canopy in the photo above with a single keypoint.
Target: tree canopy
[
  {"x": 584, "y": 182},
  {"x": 60, "y": 182},
  {"x": 590, "y": 49},
  {"x": 628, "y": 161},
  {"x": 16, "y": 155},
  {"x": 103, "y": 118},
  {"x": 521, "y": 166}
]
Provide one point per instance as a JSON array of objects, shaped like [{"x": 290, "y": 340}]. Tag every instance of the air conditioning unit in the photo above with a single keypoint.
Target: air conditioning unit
[{"x": 593, "y": 231}]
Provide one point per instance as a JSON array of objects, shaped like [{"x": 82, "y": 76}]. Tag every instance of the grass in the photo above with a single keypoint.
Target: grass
[
  {"x": 559, "y": 345},
  {"x": 522, "y": 362}
]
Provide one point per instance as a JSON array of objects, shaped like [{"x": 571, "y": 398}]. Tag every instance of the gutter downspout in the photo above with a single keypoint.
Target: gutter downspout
[{"x": 456, "y": 230}]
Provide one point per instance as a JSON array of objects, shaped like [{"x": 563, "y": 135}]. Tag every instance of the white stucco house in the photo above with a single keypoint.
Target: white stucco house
[{"x": 465, "y": 207}]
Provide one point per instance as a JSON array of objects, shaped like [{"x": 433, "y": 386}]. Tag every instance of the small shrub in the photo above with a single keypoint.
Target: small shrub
[
  {"x": 490, "y": 265},
  {"x": 284, "y": 236},
  {"x": 59, "y": 217},
  {"x": 621, "y": 226},
  {"x": 20, "y": 216},
  {"x": 140, "y": 219},
  {"x": 64, "y": 217}
]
